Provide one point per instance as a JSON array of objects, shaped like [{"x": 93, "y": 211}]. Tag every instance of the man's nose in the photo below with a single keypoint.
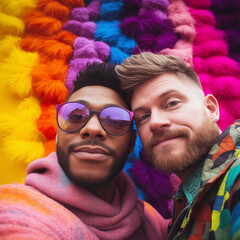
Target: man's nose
[
  {"x": 158, "y": 120},
  {"x": 93, "y": 129}
]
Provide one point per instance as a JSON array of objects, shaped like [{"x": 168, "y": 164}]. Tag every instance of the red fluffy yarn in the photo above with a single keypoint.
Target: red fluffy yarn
[{"x": 47, "y": 122}]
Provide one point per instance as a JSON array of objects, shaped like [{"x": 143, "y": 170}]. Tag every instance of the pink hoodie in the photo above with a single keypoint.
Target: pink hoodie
[{"x": 49, "y": 206}]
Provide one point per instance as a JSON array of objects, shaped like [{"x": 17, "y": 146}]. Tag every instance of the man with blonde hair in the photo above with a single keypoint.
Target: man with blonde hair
[{"x": 177, "y": 125}]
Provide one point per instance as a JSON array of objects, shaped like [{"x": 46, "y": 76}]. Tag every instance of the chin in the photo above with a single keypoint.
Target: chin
[{"x": 89, "y": 181}]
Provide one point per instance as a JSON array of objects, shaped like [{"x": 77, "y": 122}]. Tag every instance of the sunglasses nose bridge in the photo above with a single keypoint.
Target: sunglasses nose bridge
[{"x": 93, "y": 113}]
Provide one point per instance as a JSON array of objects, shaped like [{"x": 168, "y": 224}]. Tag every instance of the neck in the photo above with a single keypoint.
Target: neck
[
  {"x": 106, "y": 192},
  {"x": 183, "y": 175}
]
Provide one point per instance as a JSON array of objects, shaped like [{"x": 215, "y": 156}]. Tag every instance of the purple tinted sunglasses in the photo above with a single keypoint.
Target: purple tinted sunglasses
[{"x": 72, "y": 116}]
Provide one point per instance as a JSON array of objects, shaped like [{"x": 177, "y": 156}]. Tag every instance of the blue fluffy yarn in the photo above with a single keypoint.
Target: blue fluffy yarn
[
  {"x": 108, "y": 32},
  {"x": 126, "y": 44},
  {"x": 112, "y": 10},
  {"x": 117, "y": 56}
]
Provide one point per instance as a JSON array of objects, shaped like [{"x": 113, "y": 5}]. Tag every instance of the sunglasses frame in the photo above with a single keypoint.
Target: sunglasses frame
[{"x": 91, "y": 112}]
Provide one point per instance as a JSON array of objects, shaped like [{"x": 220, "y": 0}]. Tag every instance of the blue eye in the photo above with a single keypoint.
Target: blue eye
[
  {"x": 172, "y": 104},
  {"x": 142, "y": 118}
]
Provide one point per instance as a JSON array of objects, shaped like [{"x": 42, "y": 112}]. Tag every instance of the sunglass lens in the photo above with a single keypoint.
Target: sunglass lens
[
  {"x": 115, "y": 120},
  {"x": 72, "y": 116}
]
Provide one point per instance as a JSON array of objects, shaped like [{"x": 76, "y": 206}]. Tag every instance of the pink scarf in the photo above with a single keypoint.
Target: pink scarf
[{"x": 125, "y": 218}]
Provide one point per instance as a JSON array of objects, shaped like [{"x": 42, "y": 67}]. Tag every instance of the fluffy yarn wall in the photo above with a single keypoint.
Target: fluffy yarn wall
[{"x": 44, "y": 43}]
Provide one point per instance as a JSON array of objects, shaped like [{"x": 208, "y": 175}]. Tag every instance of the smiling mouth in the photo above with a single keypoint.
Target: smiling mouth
[{"x": 164, "y": 140}]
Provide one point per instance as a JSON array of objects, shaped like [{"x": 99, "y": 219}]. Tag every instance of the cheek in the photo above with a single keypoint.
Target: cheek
[
  {"x": 64, "y": 139},
  {"x": 123, "y": 143}
]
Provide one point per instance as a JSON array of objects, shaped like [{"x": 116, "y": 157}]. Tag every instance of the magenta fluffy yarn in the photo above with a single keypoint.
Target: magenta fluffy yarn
[
  {"x": 213, "y": 64},
  {"x": 203, "y": 4}
]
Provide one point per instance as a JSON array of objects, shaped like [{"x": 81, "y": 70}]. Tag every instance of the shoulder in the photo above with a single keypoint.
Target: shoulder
[
  {"x": 156, "y": 219},
  {"x": 27, "y": 212}
]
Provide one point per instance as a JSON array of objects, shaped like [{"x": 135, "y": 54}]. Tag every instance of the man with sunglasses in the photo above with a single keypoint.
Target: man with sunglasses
[{"x": 81, "y": 192}]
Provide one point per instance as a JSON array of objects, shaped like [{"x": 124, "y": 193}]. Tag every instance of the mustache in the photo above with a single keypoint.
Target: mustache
[
  {"x": 163, "y": 134},
  {"x": 89, "y": 143}
]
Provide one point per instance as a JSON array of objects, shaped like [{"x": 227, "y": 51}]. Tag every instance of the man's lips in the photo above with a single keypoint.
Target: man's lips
[
  {"x": 91, "y": 153},
  {"x": 92, "y": 149},
  {"x": 164, "y": 140}
]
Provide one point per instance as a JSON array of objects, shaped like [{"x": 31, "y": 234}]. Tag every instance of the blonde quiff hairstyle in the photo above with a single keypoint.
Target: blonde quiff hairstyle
[{"x": 142, "y": 67}]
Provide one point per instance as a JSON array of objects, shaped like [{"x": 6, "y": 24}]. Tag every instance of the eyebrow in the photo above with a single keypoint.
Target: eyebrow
[{"x": 170, "y": 91}]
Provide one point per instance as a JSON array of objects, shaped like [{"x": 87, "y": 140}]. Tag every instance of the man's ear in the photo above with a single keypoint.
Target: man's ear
[
  {"x": 133, "y": 140},
  {"x": 212, "y": 107}
]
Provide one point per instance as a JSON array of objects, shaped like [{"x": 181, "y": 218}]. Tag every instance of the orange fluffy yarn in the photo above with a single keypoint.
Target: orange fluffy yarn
[
  {"x": 66, "y": 37},
  {"x": 72, "y": 3},
  {"x": 48, "y": 81},
  {"x": 50, "y": 146},
  {"x": 54, "y": 9},
  {"x": 37, "y": 22}
]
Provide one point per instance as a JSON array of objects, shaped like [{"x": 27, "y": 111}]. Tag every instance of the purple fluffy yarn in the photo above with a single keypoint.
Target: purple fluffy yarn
[
  {"x": 147, "y": 42},
  {"x": 225, "y": 21},
  {"x": 156, "y": 4},
  {"x": 149, "y": 21},
  {"x": 233, "y": 38},
  {"x": 132, "y": 4},
  {"x": 93, "y": 9},
  {"x": 103, "y": 50},
  {"x": 85, "y": 29},
  {"x": 85, "y": 48},
  {"x": 156, "y": 185},
  {"x": 235, "y": 56},
  {"x": 80, "y": 14},
  {"x": 75, "y": 66}
]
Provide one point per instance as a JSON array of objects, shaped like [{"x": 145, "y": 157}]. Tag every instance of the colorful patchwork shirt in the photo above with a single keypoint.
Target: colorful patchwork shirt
[{"x": 214, "y": 211}]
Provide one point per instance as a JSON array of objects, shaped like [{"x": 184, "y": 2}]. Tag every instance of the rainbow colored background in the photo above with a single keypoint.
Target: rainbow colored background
[{"x": 43, "y": 44}]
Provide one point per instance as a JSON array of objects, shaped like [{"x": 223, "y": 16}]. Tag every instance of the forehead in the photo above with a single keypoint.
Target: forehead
[
  {"x": 165, "y": 83},
  {"x": 98, "y": 96}
]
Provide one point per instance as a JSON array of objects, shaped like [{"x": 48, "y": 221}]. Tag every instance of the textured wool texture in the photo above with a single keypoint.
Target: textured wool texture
[
  {"x": 48, "y": 212},
  {"x": 43, "y": 45}
]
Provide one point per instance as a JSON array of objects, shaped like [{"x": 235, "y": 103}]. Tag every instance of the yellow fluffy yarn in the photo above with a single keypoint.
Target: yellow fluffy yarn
[
  {"x": 11, "y": 25},
  {"x": 7, "y": 44},
  {"x": 29, "y": 108},
  {"x": 21, "y": 129},
  {"x": 15, "y": 72},
  {"x": 17, "y": 8},
  {"x": 22, "y": 151}
]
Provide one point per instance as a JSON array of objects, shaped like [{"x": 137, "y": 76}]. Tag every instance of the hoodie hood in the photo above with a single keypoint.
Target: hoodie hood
[{"x": 108, "y": 221}]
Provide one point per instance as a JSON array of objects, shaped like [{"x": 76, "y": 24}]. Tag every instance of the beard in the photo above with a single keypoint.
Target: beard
[
  {"x": 196, "y": 148},
  {"x": 88, "y": 182}
]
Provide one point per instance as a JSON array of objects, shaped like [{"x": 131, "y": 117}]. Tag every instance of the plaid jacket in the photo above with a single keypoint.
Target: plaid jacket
[{"x": 215, "y": 210}]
